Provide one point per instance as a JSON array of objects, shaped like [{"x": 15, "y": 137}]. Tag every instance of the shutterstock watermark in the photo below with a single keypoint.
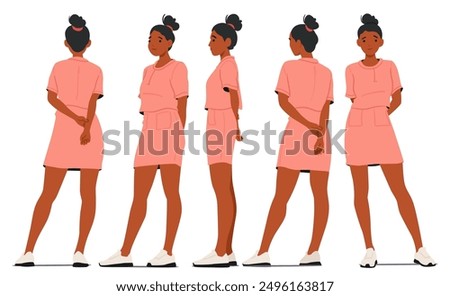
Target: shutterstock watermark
[{"x": 211, "y": 142}]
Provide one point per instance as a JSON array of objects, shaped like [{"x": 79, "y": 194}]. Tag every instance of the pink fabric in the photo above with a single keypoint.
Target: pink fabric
[
  {"x": 162, "y": 139},
  {"x": 220, "y": 136},
  {"x": 222, "y": 125},
  {"x": 224, "y": 77},
  {"x": 74, "y": 81},
  {"x": 309, "y": 86},
  {"x": 161, "y": 87},
  {"x": 370, "y": 138}
]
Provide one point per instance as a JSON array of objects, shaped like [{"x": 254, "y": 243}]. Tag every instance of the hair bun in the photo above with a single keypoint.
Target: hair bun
[
  {"x": 234, "y": 21},
  {"x": 310, "y": 22},
  {"x": 369, "y": 19},
  {"x": 77, "y": 21},
  {"x": 169, "y": 21}
]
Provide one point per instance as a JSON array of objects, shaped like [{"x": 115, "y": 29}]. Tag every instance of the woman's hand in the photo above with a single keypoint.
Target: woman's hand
[
  {"x": 319, "y": 146},
  {"x": 85, "y": 137},
  {"x": 315, "y": 129},
  {"x": 81, "y": 120},
  {"x": 238, "y": 135}
]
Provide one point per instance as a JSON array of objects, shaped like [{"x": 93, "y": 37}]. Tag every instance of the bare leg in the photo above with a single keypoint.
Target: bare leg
[
  {"x": 394, "y": 177},
  {"x": 143, "y": 181},
  {"x": 234, "y": 208},
  {"x": 286, "y": 181},
  {"x": 88, "y": 183},
  {"x": 170, "y": 175},
  {"x": 319, "y": 185},
  {"x": 361, "y": 186},
  {"x": 221, "y": 181},
  {"x": 52, "y": 183}
]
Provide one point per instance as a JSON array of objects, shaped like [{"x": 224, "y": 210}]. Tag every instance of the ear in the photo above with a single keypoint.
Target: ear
[
  {"x": 170, "y": 43},
  {"x": 66, "y": 44},
  {"x": 358, "y": 42},
  {"x": 381, "y": 42},
  {"x": 228, "y": 42},
  {"x": 88, "y": 44}
]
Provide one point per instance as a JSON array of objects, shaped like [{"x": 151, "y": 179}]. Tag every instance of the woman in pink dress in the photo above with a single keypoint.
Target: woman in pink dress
[
  {"x": 223, "y": 101},
  {"x": 305, "y": 92},
  {"x": 163, "y": 94},
  {"x": 370, "y": 139},
  {"x": 74, "y": 86}
]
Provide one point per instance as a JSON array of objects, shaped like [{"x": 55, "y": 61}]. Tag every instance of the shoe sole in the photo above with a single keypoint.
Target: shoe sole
[
  {"x": 173, "y": 264},
  {"x": 368, "y": 266},
  {"x": 233, "y": 263},
  {"x": 316, "y": 263},
  {"x": 80, "y": 264},
  {"x": 118, "y": 265},
  {"x": 428, "y": 265},
  {"x": 258, "y": 264},
  {"x": 212, "y": 265},
  {"x": 26, "y": 264}
]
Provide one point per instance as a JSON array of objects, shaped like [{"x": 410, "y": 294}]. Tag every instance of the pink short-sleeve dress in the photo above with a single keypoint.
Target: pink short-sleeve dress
[
  {"x": 162, "y": 138},
  {"x": 309, "y": 85},
  {"x": 222, "y": 125},
  {"x": 74, "y": 81},
  {"x": 370, "y": 138}
]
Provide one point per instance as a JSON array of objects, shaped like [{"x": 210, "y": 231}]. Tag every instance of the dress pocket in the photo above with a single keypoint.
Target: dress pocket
[
  {"x": 163, "y": 120},
  {"x": 381, "y": 117},
  {"x": 355, "y": 117}
]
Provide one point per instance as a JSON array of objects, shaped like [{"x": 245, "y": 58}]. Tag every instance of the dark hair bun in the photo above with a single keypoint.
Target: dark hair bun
[
  {"x": 369, "y": 19},
  {"x": 310, "y": 22},
  {"x": 233, "y": 19},
  {"x": 77, "y": 21},
  {"x": 168, "y": 20}
]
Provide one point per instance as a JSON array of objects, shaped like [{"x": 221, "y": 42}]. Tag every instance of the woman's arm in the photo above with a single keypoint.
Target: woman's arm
[
  {"x": 324, "y": 114},
  {"x": 182, "y": 104},
  {"x": 293, "y": 113},
  {"x": 59, "y": 105},
  {"x": 86, "y": 135},
  {"x": 234, "y": 96},
  {"x": 396, "y": 101}
]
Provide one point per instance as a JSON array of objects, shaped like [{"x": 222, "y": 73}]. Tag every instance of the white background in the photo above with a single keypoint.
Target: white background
[{"x": 32, "y": 35}]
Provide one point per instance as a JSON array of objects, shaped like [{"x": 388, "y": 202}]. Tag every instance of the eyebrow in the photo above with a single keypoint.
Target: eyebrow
[
  {"x": 375, "y": 36},
  {"x": 159, "y": 37},
  {"x": 213, "y": 36}
]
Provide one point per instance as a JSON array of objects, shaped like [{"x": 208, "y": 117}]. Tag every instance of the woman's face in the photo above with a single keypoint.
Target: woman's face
[
  {"x": 370, "y": 42},
  {"x": 158, "y": 44},
  {"x": 217, "y": 44},
  {"x": 296, "y": 45}
]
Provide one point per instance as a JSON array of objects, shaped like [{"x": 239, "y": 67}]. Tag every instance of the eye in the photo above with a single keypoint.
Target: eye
[
  {"x": 159, "y": 41},
  {"x": 364, "y": 41},
  {"x": 376, "y": 40}
]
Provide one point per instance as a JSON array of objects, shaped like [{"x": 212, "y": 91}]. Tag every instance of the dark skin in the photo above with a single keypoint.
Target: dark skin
[
  {"x": 159, "y": 46},
  {"x": 221, "y": 173},
  {"x": 287, "y": 178},
  {"x": 370, "y": 42},
  {"x": 54, "y": 177}
]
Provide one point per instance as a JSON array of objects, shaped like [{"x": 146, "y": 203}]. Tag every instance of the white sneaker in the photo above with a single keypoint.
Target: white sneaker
[
  {"x": 162, "y": 260},
  {"x": 370, "y": 260},
  {"x": 26, "y": 259},
  {"x": 117, "y": 260},
  {"x": 79, "y": 260},
  {"x": 423, "y": 258},
  {"x": 312, "y": 259},
  {"x": 213, "y": 260},
  {"x": 232, "y": 259},
  {"x": 258, "y": 260}
]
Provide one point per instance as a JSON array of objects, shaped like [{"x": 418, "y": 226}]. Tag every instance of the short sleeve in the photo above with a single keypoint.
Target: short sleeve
[
  {"x": 98, "y": 88},
  {"x": 229, "y": 76},
  {"x": 395, "y": 79},
  {"x": 283, "y": 82},
  {"x": 52, "y": 82},
  {"x": 350, "y": 82},
  {"x": 179, "y": 81},
  {"x": 330, "y": 90}
]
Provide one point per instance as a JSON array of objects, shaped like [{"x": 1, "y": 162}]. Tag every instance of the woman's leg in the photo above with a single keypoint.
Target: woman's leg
[
  {"x": 221, "y": 181},
  {"x": 143, "y": 181},
  {"x": 394, "y": 177},
  {"x": 170, "y": 175},
  {"x": 52, "y": 183},
  {"x": 233, "y": 212},
  {"x": 319, "y": 185},
  {"x": 88, "y": 183},
  {"x": 286, "y": 181},
  {"x": 361, "y": 186}
]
